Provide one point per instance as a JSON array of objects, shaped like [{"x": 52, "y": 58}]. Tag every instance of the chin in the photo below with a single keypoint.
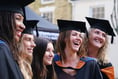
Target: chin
[
  {"x": 97, "y": 46},
  {"x": 76, "y": 49},
  {"x": 49, "y": 63},
  {"x": 17, "y": 39}
]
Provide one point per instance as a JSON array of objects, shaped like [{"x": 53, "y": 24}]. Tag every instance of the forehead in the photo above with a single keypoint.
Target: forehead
[
  {"x": 74, "y": 31},
  {"x": 95, "y": 29},
  {"x": 18, "y": 14},
  {"x": 49, "y": 44},
  {"x": 27, "y": 36}
]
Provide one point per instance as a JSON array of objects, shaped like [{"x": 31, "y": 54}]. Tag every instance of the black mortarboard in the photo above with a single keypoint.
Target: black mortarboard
[
  {"x": 101, "y": 24},
  {"x": 28, "y": 17},
  {"x": 30, "y": 25},
  {"x": 65, "y": 25},
  {"x": 14, "y": 5}
]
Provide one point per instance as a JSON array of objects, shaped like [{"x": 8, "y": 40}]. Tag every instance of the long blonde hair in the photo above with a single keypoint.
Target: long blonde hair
[
  {"x": 102, "y": 53},
  {"x": 24, "y": 61}
]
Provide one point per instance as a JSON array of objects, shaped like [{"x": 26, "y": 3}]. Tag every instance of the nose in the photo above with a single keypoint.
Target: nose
[
  {"x": 100, "y": 36},
  {"x": 33, "y": 44},
  {"x": 23, "y": 26},
  {"x": 51, "y": 54},
  {"x": 79, "y": 38}
]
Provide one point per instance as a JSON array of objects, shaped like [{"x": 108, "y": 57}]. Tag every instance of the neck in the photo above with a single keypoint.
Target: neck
[
  {"x": 92, "y": 51},
  {"x": 71, "y": 56}
]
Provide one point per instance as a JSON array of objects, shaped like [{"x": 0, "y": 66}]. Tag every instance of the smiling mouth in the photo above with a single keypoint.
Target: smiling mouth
[
  {"x": 98, "y": 41},
  {"x": 19, "y": 34}
]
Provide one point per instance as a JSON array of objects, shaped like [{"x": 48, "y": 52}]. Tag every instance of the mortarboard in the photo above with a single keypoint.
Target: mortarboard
[
  {"x": 101, "y": 24},
  {"x": 32, "y": 21},
  {"x": 65, "y": 25},
  {"x": 14, "y": 5},
  {"x": 30, "y": 25}
]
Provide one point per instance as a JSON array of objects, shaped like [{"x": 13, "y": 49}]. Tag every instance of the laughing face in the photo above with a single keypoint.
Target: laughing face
[
  {"x": 19, "y": 25},
  {"x": 28, "y": 44},
  {"x": 97, "y": 38},
  {"x": 75, "y": 41}
]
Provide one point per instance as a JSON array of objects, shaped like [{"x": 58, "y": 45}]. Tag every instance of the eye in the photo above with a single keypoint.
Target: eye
[
  {"x": 28, "y": 39},
  {"x": 19, "y": 17},
  {"x": 49, "y": 50},
  {"x": 74, "y": 34},
  {"x": 97, "y": 32},
  {"x": 80, "y": 35},
  {"x": 104, "y": 35}
]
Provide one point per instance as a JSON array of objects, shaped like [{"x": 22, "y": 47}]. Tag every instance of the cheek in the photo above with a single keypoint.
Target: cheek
[
  {"x": 91, "y": 37},
  {"x": 45, "y": 55},
  {"x": 26, "y": 44},
  {"x": 17, "y": 24},
  {"x": 104, "y": 39},
  {"x": 81, "y": 40}
]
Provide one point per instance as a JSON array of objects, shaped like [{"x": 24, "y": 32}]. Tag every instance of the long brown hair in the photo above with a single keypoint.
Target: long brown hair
[
  {"x": 7, "y": 30},
  {"x": 40, "y": 70},
  {"x": 61, "y": 44}
]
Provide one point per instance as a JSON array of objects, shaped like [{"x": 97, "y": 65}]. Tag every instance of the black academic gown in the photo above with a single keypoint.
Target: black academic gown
[
  {"x": 87, "y": 68},
  {"x": 9, "y": 69},
  {"x": 107, "y": 71}
]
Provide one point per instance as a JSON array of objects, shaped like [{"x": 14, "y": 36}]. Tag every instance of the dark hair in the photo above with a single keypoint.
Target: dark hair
[
  {"x": 7, "y": 30},
  {"x": 40, "y": 70}
]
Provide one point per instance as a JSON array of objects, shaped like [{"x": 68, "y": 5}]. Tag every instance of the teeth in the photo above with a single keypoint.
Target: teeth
[
  {"x": 76, "y": 43},
  {"x": 98, "y": 40}
]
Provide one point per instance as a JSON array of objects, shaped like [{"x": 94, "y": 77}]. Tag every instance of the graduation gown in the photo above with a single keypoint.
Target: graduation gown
[
  {"x": 87, "y": 68},
  {"x": 107, "y": 71},
  {"x": 9, "y": 69}
]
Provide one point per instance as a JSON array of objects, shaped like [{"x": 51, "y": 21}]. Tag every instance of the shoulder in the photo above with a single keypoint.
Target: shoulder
[
  {"x": 3, "y": 44},
  {"x": 86, "y": 59},
  {"x": 56, "y": 57},
  {"x": 4, "y": 48},
  {"x": 106, "y": 65},
  {"x": 89, "y": 61}
]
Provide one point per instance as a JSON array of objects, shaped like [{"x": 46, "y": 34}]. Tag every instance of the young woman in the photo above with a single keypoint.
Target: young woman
[
  {"x": 42, "y": 65},
  {"x": 11, "y": 27},
  {"x": 97, "y": 44},
  {"x": 70, "y": 62},
  {"x": 26, "y": 46}
]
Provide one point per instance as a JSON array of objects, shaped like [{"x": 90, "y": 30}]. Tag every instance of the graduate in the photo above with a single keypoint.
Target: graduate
[
  {"x": 11, "y": 27},
  {"x": 42, "y": 64},
  {"x": 97, "y": 43},
  {"x": 70, "y": 60},
  {"x": 26, "y": 46}
]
